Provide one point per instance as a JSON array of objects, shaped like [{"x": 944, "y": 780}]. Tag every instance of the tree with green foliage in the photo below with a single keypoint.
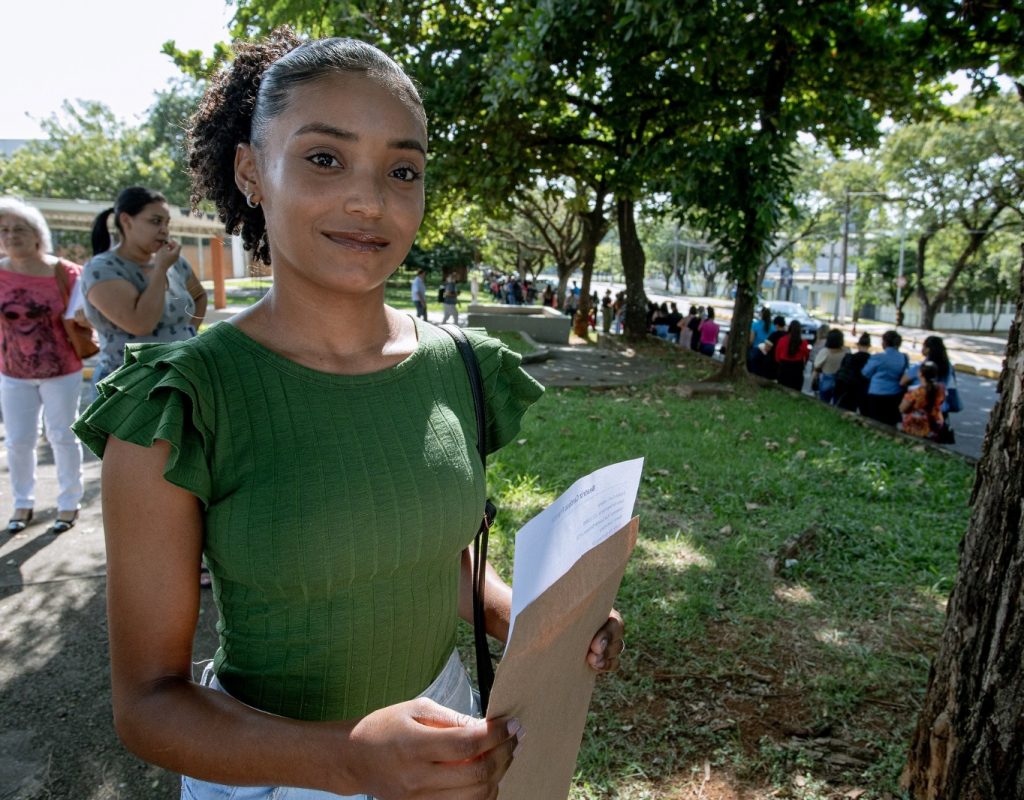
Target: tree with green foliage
[
  {"x": 88, "y": 154},
  {"x": 542, "y": 227},
  {"x": 164, "y": 129},
  {"x": 878, "y": 278},
  {"x": 803, "y": 69},
  {"x": 960, "y": 176},
  {"x": 990, "y": 289}
]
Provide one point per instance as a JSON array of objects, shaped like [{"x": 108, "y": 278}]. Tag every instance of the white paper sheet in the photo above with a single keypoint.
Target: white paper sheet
[{"x": 586, "y": 514}]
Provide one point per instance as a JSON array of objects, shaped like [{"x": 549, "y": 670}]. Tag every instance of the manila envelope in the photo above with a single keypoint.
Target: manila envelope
[{"x": 544, "y": 680}]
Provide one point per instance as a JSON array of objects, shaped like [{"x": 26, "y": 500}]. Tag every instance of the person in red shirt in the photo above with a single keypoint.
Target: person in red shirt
[{"x": 791, "y": 354}]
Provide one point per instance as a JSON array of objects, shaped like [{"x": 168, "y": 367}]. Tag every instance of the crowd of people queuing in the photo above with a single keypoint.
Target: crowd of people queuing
[
  {"x": 314, "y": 154},
  {"x": 918, "y": 398},
  {"x": 885, "y": 386}
]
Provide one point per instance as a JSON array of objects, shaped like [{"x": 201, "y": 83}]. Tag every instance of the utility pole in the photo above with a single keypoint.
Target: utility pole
[
  {"x": 675, "y": 256},
  {"x": 842, "y": 258}
]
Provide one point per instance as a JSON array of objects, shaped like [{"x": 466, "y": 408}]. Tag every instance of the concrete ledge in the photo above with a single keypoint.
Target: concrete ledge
[
  {"x": 541, "y": 323},
  {"x": 871, "y": 424},
  {"x": 539, "y": 352}
]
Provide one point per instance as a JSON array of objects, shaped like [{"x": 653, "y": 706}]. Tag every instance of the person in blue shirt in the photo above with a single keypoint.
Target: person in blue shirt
[
  {"x": 884, "y": 371},
  {"x": 759, "y": 332}
]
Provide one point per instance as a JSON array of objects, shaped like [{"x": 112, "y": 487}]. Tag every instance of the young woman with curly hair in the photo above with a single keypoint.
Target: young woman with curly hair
[{"x": 319, "y": 450}]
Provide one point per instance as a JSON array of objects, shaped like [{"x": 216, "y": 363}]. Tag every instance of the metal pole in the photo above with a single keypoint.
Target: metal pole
[
  {"x": 899, "y": 276},
  {"x": 675, "y": 254},
  {"x": 843, "y": 256}
]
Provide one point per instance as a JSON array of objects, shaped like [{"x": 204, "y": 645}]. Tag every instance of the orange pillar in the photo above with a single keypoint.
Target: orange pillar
[{"x": 220, "y": 299}]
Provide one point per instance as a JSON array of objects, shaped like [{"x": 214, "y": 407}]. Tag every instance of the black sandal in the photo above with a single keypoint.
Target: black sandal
[
  {"x": 64, "y": 525},
  {"x": 18, "y": 524}
]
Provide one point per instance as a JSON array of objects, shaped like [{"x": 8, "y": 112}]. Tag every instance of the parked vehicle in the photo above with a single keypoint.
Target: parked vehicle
[{"x": 808, "y": 324}]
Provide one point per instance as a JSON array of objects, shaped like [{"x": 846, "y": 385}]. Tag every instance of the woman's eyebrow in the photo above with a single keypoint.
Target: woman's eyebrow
[{"x": 349, "y": 136}]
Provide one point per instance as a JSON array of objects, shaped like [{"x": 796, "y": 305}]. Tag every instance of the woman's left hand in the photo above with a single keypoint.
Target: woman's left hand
[{"x": 607, "y": 644}]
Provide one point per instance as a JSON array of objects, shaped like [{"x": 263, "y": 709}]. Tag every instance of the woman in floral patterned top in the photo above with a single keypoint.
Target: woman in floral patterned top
[{"x": 922, "y": 407}]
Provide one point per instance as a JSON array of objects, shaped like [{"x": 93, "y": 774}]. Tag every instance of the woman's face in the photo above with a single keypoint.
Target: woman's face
[
  {"x": 340, "y": 179},
  {"x": 17, "y": 237},
  {"x": 149, "y": 230}
]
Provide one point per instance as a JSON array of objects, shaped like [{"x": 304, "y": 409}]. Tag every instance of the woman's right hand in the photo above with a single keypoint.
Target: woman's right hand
[
  {"x": 168, "y": 255},
  {"x": 422, "y": 749}
]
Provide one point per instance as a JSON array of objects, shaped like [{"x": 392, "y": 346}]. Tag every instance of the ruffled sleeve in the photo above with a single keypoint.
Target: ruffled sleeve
[
  {"x": 156, "y": 395},
  {"x": 508, "y": 390}
]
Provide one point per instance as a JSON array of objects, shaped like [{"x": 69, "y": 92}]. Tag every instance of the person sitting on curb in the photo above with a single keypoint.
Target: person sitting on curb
[{"x": 884, "y": 370}]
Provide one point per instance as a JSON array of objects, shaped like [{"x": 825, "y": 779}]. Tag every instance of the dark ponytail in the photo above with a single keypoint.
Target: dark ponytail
[
  {"x": 242, "y": 99},
  {"x": 130, "y": 201},
  {"x": 937, "y": 353},
  {"x": 795, "y": 337},
  {"x": 100, "y": 232}
]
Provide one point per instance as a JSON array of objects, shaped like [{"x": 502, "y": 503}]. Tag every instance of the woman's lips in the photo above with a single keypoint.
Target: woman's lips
[{"x": 359, "y": 242}]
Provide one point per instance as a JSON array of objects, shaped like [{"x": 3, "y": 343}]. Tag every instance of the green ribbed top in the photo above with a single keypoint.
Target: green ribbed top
[{"x": 337, "y": 506}]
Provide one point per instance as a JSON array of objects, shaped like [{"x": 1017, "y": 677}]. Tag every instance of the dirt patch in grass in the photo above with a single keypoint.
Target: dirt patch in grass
[{"x": 757, "y": 728}]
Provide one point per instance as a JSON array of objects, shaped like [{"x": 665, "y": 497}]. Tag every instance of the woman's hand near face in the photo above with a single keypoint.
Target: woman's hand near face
[
  {"x": 421, "y": 749},
  {"x": 167, "y": 256},
  {"x": 608, "y": 644}
]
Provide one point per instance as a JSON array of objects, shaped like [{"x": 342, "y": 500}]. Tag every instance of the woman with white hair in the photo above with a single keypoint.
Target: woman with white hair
[{"x": 40, "y": 374}]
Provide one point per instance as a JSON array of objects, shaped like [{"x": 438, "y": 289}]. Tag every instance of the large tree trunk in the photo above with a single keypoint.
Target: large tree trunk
[
  {"x": 969, "y": 741},
  {"x": 564, "y": 271},
  {"x": 735, "y": 355},
  {"x": 633, "y": 267},
  {"x": 595, "y": 226},
  {"x": 927, "y": 306}
]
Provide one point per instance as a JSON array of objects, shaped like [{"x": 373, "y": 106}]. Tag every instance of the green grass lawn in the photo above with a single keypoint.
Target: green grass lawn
[{"x": 802, "y": 681}]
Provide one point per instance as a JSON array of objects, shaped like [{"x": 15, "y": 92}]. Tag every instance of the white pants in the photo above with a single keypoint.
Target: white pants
[
  {"x": 23, "y": 401},
  {"x": 451, "y": 688}
]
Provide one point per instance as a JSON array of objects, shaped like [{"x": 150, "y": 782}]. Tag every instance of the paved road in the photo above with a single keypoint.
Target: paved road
[{"x": 979, "y": 398}]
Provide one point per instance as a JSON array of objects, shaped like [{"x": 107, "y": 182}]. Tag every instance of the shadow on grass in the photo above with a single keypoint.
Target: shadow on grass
[{"x": 815, "y": 670}]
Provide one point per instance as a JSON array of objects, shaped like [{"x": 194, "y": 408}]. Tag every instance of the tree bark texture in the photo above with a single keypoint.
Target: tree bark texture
[
  {"x": 734, "y": 363},
  {"x": 593, "y": 229},
  {"x": 633, "y": 267},
  {"x": 969, "y": 741}
]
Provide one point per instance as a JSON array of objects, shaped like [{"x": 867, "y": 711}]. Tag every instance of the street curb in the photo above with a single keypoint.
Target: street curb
[
  {"x": 875, "y": 425},
  {"x": 981, "y": 372}
]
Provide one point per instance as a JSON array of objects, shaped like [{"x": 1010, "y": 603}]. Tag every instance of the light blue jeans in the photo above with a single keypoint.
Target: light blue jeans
[{"x": 451, "y": 688}]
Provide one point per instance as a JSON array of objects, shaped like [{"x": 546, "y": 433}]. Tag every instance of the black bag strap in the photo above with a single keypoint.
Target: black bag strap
[{"x": 484, "y": 666}]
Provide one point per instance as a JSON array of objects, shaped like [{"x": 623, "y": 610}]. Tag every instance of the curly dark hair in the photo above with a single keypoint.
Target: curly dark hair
[{"x": 253, "y": 89}]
